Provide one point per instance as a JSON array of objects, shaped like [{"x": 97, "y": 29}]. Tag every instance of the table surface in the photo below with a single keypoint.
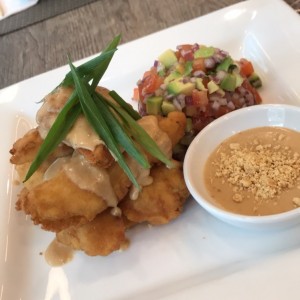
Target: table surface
[{"x": 86, "y": 30}]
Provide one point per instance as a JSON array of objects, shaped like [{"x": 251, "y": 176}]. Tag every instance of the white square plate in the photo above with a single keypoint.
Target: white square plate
[{"x": 196, "y": 256}]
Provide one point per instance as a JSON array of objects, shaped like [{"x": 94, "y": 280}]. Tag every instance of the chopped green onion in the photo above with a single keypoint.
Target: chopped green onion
[
  {"x": 117, "y": 130},
  {"x": 140, "y": 135},
  {"x": 95, "y": 67},
  {"x": 58, "y": 131},
  {"x": 97, "y": 121},
  {"x": 133, "y": 113},
  {"x": 113, "y": 120}
]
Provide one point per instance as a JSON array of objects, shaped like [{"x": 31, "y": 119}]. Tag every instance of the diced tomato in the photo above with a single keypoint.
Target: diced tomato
[
  {"x": 198, "y": 64},
  {"x": 199, "y": 98},
  {"x": 177, "y": 53},
  {"x": 246, "y": 67},
  {"x": 205, "y": 81},
  {"x": 222, "y": 110},
  {"x": 151, "y": 82},
  {"x": 136, "y": 94},
  {"x": 257, "y": 99},
  {"x": 186, "y": 52},
  {"x": 142, "y": 108},
  {"x": 200, "y": 121},
  {"x": 185, "y": 47}
]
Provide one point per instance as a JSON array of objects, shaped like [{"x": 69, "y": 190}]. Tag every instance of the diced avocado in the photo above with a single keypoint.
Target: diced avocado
[
  {"x": 212, "y": 87},
  {"x": 204, "y": 52},
  {"x": 168, "y": 58},
  {"x": 153, "y": 105},
  {"x": 177, "y": 86},
  {"x": 189, "y": 125},
  {"x": 161, "y": 73},
  {"x": 255, "y": 80},
  {"x": 188, "y": 68},
  {"x": 239, "y": 79},
  {"x": 180, "y": 68},
  {"x": 167, "y": 107},
  {"x": 225, "y": 64},
  {"x": 221, "y": 92},
  {"x": 172, "y": 76},
  {"x": 228, "y": 83},
  {"x": 199, "y": 84}
]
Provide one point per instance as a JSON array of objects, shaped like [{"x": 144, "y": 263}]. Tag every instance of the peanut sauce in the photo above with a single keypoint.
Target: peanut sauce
[
  {"x": 256, "y": 172},
  {"x": 58, "y": 254},
  {"x": 85, "y": 175}
]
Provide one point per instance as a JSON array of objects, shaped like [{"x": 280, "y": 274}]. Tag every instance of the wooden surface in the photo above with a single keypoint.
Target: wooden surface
[{"x": 84, "y": 31}]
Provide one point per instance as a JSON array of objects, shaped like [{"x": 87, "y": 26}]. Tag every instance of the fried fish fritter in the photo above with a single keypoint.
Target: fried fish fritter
[
  {"x": 159, "y": 202},
  {"x": 79, "y": 215},
  {"x": 102, "y": 236}
]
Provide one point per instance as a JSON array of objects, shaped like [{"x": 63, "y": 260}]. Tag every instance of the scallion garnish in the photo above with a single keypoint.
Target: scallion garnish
[
  {"x": 113, "y": 120},
  {"x": 58, "y": 131}
]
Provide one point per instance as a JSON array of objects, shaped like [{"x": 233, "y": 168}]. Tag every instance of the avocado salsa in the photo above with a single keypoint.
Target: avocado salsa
[{"x": 202, "y": 81}]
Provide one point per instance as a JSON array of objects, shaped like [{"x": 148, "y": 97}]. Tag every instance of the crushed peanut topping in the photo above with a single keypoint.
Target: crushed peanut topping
[
  {"x": 256, "y": 172},
  {"x": 264, "y": 170},
  {"x": 296, "y": 201}
]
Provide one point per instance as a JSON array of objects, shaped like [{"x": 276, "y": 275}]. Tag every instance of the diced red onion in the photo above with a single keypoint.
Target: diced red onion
[
  {"x": 242, "y": 100},
  {"x": 222, "y": 101},
  {"x": 169, "y": 96},
  {"x": 242, "y": 90},
  {"x": 230, "y": 105},
  {"x": 209, "y": 63},
  {"x": 188, "y": 100},
  {"x": 250, "y": 99},
  {"x": 224, "y": 53},
  {"x": 181, "y": 97},
  {"x": 177, "y": 104},
  {"x": 195, "y": 47},
  {"x": 215, "y": 105},
  {"x": 218, "y": 58},
  {"x": 221, "y": 75},
  {"x": 199, "y": 74},
  {"x": 163, "y": 86},
  {"x": 215, "y": 98},
  {"x": 235, "y": 96},
  {"x": 142, "y": 108},
  {"x": 155, "y": 63}
]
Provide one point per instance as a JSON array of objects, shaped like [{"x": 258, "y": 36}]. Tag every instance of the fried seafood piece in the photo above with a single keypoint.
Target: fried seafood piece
[
  {"x": 25, "y": 148},
  {"x": 119, "y": 181},
  {"x": 174, "y": 125},
  {"x": 59, "y": 203},
  {"x": 100, "y": 156},
  {"x": 160, "y": 202},
  {"x": 24, "y": 151},
  {"x": 165, "y": 131},
  {"x": 103, "y": 235},
  {"x": 46, "y": 115}
]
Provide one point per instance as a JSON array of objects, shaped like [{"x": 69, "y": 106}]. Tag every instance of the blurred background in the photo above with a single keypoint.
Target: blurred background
[{"x": 37, "y": 39}]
